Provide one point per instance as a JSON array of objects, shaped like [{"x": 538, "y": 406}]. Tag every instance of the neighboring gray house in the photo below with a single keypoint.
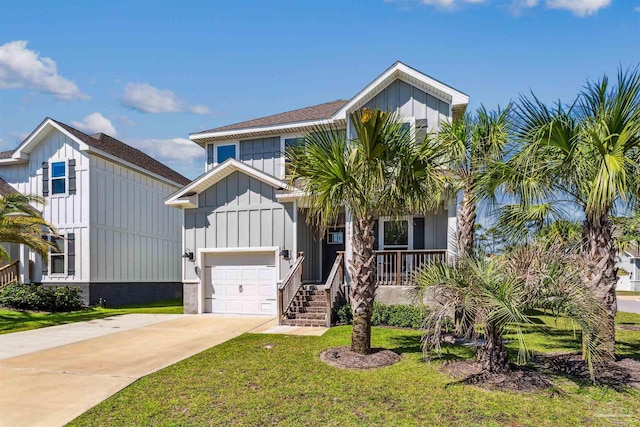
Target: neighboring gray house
[
  {"x": 244, "y": 226},
  {"x": 120, "y": 242},
  {"x": 629, "y": 262}
]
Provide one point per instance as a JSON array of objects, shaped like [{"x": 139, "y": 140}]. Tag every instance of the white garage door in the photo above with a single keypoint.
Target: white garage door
[{"x": 241, "y": 283}]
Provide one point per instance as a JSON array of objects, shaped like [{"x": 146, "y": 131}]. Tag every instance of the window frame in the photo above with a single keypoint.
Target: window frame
[
  {"x": 381, "y": 243},
  {"x": 63, "y": 253},
  {"x": 283, "y": 146},
  {"x": 64, "y": 178},
  {"x": 215, "y": 145}
]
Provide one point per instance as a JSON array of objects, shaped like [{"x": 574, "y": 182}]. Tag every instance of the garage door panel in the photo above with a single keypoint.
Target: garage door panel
[{"x": 240, "y": 284}]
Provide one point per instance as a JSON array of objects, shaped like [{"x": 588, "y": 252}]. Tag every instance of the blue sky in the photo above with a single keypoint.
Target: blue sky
[{"x": 151, "y": 72}]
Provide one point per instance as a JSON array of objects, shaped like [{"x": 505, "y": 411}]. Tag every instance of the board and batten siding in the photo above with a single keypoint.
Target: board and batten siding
[
  {"x": 264, "y": 154},
  {"x": 135, "y": 236},
  {"x": 69, "y": 213},
  {"x": 410, "y": 101},
  {"x": 310, "y": 243},
  {"x": 238, "y": 211}
]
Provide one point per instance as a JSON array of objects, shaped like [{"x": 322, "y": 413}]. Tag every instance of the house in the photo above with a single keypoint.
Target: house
[
  {"x": 628, "y": 261},
  {"x": 118, "y": 241},
  {"x": 245, "y": 229}
]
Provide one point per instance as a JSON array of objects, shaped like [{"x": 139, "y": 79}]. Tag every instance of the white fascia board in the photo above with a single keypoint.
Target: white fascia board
[
  {"x": 399, "y": 69},
  {"x": 222, "y": 171},
  {"x": 281, "y": 127},
  {"x": 18, "y": 153}
]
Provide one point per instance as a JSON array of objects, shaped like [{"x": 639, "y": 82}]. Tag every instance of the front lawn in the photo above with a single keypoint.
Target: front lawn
[
  {"x": 14, "y": 320},
  {"x": 260, "y": 380}
]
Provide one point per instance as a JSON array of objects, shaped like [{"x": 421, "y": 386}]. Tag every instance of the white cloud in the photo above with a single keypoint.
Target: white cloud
[
  {"x": 448, "y": 4},
  {"x": 96, "y": 123},
  {"x": 24, "y": 68},
  {"x": 637, "y": 8},
  {"x": 180, "y": 150},
  {"x": 579, "y": 7},
  {"x": 149, "y": 99}
]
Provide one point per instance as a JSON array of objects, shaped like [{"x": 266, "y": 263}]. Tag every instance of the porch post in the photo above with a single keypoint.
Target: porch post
[
  {"x": 348, "y": 246},
  {"x": 24, "y": 264},
  {"x": 452, "y": 228}
]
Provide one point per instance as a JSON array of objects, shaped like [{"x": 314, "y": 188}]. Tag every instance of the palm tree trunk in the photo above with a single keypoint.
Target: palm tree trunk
[
  {"x": 466, "y": 224},
  {"x": 492, "y": 356},
  {"x": 601, "y": 277},
  {"x": 363, "y": 285}
]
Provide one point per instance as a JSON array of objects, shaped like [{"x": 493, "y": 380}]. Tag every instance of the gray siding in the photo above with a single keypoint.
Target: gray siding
[
  {"x": 310, "y": 243},
  {"x": 238, "y": 211},
  {"x": 435, "y": 230},
  {"x": 264, "y": 154},
  {"x": 411, "y": 102}
]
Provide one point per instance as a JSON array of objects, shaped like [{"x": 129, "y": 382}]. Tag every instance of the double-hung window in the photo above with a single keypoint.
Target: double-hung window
[
  {"x": 58, "y": 178},
  {"x": 57, "y": 259}
]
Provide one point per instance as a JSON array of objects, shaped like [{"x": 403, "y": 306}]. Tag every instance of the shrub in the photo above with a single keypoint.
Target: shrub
[
  {"x": 400, "y": 316},
  {"x": 21, "y": 296}
]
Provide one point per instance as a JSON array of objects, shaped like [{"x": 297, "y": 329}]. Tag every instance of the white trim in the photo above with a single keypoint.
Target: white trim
[
  {"x": 295, "y": 231},
  {"x": 219, "y": 172},
  {"x": 200, "y": 257},
  {"x": 284, "y": 126},
  {"x": 65, "y": 177},
  {"x": 397, "y": 71},
  {"x": 218, "y": 144},
  {"x": 383, "y": 219}
]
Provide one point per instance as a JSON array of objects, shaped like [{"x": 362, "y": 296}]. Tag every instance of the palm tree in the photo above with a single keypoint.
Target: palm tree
[
  {"x": 583, "y": 157},
  {"x": 474, "y": 143},
  {"x": 381, "y": 171},
  {"x": 21, "y": 223},
  {"x": 499, "y": 294}
]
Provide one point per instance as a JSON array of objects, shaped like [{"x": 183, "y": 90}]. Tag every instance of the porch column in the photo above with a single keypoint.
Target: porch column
[
  {"x": 24, "y": 264},
  {"x": 348, "y": 247},
  {"x": 452, "y": 228}
]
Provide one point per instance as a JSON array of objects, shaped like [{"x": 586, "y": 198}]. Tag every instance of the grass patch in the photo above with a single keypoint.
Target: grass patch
[
  {"x": 628, "y": 293},
  {"x": 15, "y": 321},
  {"x": 260, "y": 380}
]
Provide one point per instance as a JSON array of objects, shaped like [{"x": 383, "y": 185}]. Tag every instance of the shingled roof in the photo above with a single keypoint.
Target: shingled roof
[
  {"x": 6, "y": 154},
  {"x": 315, "y": 112},
  {"x": 119, "y": 149},
  {"x": 5, "y": 188}
]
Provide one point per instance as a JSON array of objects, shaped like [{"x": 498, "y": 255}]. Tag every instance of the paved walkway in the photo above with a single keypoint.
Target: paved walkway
[
  {"x": 51, "y": 383},
  {"x": 629, "y": 303}
]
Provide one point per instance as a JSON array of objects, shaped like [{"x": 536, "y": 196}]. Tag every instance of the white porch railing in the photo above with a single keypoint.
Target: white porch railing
[{"x": 398, "y": 267}]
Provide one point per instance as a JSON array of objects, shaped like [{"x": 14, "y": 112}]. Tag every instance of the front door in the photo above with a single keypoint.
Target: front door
[{"x": 332, "y": 244}]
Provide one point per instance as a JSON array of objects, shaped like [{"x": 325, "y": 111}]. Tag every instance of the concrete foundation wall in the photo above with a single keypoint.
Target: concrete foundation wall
[
  {"x": 190, "y": 298},
  {"x": 118, "y": 294},
  {"x": 392, "y": 295}
]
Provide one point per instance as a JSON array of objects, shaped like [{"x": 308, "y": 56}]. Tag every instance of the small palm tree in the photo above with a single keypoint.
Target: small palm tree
[
  {"x": 498, "y": 294},
  {"x": 380, "y": 171},
  {"x": 474, "y": 144},
  {"x": 21, "y": 223},
  {"x": 583, "y": 157}
]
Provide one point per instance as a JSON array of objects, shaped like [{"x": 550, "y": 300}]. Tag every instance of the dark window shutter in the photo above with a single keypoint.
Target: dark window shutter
[
  {"x": 72, "y": 176},
  {"x": 375, "y": 235},
  {"x": 45, "y": 269},
  {"x": 418, "y": 233},
  {"x": 71, "y": 254},
  {"x": 209, "y": 155},
  {"x": 45, "y": 179},
  {"x": 421, "y": 130}
]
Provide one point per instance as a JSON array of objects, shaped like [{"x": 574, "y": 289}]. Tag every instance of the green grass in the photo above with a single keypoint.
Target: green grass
[
  {"x": 628, "y": 293},
  {"x": 14, "y": 321},
  {"x": 242, "y": 382}
]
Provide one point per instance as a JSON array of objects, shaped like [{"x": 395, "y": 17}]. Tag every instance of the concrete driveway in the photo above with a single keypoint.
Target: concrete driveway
[
  {"x": 91, "y": 361},
  {"x": 629, "y": 303}
]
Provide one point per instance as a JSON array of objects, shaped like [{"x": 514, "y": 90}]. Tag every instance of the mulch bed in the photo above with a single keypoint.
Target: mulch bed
[
  {"x": 535, "y": 377},
  {"x": 344, "y": 358},
  {"x": 635, "y": 328}
]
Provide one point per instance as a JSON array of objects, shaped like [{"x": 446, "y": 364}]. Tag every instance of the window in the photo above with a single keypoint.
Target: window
[
  {"x": 396, "y": 234},
  {"x": 58, "y": 178},
  {"x": 288, "y": 144},
  {"x": 57, "y": 258},
  {"x": 224, "y": 152},
  {"x": 335, "y": 237}
]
